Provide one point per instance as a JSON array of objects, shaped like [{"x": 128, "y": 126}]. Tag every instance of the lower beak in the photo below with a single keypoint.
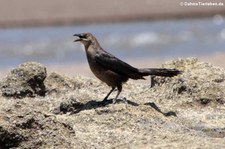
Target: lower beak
[{"x": 77, "y": 40}]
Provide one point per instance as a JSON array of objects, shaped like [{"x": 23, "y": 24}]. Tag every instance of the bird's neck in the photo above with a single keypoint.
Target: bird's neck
[{"x": 92, "y": 45}]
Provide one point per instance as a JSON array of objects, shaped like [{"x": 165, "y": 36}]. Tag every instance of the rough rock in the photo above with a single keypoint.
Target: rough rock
[
  {"x": 25, "y": 80},
  {"x": 9, "y": 138},
  {"x": 186, "y": 111},
  {"x": 57, "y": 84},
  {"x": 200, "y": 82}
]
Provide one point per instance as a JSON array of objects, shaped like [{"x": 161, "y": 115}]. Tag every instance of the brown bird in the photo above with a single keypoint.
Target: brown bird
[{"x": 112, "y": 70}]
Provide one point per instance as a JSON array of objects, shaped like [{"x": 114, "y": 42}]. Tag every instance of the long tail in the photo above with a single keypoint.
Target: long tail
[{"x": 159, "y": 72}]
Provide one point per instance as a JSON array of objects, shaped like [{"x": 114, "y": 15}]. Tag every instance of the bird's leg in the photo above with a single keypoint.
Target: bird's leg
[
  {"x": 118, "y": 93},
  {"x": 106, "y": 97},
  {"x": 152, "y": 80}
]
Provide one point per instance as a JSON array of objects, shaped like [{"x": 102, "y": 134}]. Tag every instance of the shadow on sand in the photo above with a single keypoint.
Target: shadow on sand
[
  {"x": 76, "y": 107},
  {"x": 154, "y": 106},
  {"x": 93, "y": 104}
]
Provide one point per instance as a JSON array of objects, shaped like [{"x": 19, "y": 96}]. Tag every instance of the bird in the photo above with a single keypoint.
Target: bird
[{"x": 113, "y": 71}]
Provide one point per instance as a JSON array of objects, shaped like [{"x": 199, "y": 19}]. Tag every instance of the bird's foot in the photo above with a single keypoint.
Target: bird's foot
[
  {"x": 124, "y": 100},
  {"x": 119, "y": 100},
  {"x": 114, "y": 100}
]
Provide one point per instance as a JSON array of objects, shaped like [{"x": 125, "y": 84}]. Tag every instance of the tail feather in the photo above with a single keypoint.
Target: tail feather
[{"x": 159, "y": 72}]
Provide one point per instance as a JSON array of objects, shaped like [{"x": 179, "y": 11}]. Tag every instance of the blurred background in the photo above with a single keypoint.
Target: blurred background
[{"x": 143, "y": 33}]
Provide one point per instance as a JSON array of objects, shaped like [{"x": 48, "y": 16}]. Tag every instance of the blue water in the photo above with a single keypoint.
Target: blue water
[{"x": 133, "y": 40}]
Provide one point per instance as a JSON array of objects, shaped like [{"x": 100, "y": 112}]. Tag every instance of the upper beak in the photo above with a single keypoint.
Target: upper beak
[{"x": 80, "y": 37}]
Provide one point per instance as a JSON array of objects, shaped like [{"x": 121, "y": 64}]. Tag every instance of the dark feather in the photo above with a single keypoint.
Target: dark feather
[{"x": 114, "y": 64}]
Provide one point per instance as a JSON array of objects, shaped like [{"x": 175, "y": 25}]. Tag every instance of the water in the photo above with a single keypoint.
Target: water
[{"x": 133, "y": 40}]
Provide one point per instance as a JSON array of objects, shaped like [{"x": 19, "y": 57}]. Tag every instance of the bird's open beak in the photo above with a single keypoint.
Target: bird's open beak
[{"x": 80, "y": 37}]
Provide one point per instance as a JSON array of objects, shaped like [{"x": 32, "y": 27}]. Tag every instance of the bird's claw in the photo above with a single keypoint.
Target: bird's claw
[{"x": 118, "y": 100}]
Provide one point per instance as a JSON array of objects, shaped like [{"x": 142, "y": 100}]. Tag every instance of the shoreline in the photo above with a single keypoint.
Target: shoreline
[{"x": 73, "y": 69}]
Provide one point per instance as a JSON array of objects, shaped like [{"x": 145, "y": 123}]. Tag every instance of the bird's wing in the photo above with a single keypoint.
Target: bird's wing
[{"x": 114, "y": 64}]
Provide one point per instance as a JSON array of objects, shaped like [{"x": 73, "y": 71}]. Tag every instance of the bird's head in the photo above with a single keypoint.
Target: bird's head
[{"x": 86, "y": 39}]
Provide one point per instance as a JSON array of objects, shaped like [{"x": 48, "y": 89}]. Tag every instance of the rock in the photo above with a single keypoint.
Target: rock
[
  {"x": 69, "y": 105},
  {"x": 199, "y": 81},
  {"x": 185, "y": 111},
  {"x": 9, "y": 138},
  {"x": 25, "y": 81},
  {"x": 58, "y": 84}
]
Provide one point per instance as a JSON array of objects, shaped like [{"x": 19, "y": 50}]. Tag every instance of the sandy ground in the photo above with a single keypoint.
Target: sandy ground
[
  {"x": 57, "y": 12},
  {"x": 185, "y": 111}
]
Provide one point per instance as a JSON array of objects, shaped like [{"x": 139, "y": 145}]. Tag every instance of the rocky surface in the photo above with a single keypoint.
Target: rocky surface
[
  {"x": 186, "y": 111},
  {"x": 26, "y": 80}
]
